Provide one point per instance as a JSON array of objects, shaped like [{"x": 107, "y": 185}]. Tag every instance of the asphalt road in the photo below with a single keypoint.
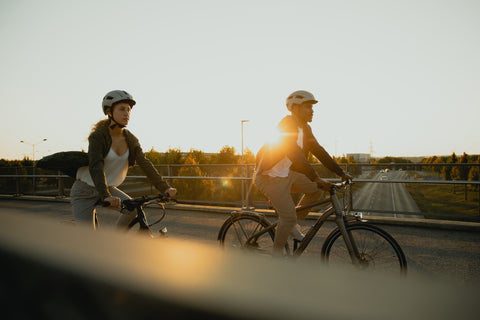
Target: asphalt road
[
  {"x": 386, "y": 196},
  {"x": 435, "y": 253}
]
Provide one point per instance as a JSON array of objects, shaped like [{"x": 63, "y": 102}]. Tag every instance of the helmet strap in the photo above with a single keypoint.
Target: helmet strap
[{"x": 115, "y": 124}]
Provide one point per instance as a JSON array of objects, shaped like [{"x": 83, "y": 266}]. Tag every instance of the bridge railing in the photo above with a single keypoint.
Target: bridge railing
[{"x": 199, "y": 184}]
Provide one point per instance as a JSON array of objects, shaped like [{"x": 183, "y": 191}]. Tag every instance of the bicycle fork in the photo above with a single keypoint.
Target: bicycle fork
[{"x": 347, "y": 236}]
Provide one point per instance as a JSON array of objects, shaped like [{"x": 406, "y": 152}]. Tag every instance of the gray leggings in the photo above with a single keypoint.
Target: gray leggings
[{"x": 84, "y": 199}]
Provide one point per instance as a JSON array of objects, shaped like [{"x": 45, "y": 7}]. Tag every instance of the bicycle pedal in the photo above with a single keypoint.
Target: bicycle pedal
[
  {"x": 163, "y": 232},
  {"x": 359, "y": 217}
]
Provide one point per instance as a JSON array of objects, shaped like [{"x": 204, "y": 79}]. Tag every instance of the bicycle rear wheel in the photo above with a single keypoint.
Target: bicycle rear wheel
[
  {"x": 377, "y": 249},
  {"x": 244, "y": 231}
]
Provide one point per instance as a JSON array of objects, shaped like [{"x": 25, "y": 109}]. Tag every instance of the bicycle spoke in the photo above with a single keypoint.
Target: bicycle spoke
[
  {"x": 375, "y": 248},
  {"x": 245, "y": 232},
  {"x": 238, "y": 225}
]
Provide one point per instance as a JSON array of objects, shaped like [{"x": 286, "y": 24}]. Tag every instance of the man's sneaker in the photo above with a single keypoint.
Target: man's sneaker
[
  {"x": 296, "y": 233},
  {"x": 296, "y": 243}
]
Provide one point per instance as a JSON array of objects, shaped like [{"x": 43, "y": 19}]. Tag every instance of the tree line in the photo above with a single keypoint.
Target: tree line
[
  {"x": 227, "y": 163},
  {"x": 194, "y": 163},
  {"x": 228, "y": 155},
  {"x": 448, "y": 172}
]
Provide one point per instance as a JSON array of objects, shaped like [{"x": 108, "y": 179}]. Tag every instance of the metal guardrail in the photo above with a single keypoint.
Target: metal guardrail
[{"x": 246, "y": 194}]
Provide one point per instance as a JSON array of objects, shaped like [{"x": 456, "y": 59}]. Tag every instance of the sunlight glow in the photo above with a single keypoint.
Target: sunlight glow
[
  {"x": 226, "y": 183},
  {"x": 275, "y": 137},
  {"x": 188, "y": 266}
]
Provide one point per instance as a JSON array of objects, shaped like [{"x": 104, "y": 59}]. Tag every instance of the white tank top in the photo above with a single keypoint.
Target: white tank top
[
  {"x": 115, "y": 168},
  {"x": 282, "y": 168}
]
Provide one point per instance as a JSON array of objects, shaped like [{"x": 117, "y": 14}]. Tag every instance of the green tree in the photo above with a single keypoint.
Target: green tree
[
  {"x": 227, "y": 156},
  {"x": 248, "y": 157},
  {"x": 198, "y": 155},
  {"x": 447, "y": 170},
  {"x": 154, "y": 156},
  {"x": 438, "y": 169},
  {"x": 193, "y": 189},
  {"x": 474, "y": 172},
  {"x": 389, "y": 159},
  {"x": 172, "y": 156},
  {"x": 463, "y": 170}
]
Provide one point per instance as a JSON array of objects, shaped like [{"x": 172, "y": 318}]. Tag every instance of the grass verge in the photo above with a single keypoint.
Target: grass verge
[{"x": 445, "y": 199}]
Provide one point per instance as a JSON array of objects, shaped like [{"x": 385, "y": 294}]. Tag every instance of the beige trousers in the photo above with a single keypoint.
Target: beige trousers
[{"x": 278, "y": 191}]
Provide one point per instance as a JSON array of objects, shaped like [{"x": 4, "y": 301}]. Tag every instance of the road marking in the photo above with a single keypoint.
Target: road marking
[{"x": 393, "y": 201}]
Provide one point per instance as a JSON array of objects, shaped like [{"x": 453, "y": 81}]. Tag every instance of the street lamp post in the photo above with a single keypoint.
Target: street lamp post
[
  {"x": 33, "y": 160},
  {"x": 243, "y": 170},
  {"x": 33, "y": 147}
]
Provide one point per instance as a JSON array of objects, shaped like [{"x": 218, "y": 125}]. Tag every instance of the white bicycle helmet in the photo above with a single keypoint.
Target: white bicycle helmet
[
  {"x": 114, "y": 97},
  {"x": 299, "y": 97}
]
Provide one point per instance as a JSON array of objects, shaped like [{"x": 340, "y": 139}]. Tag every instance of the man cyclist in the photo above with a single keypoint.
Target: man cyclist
[{"x": 283, "y": 168}]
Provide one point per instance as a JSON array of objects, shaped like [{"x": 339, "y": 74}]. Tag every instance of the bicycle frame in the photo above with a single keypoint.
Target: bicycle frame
[
  {"x": 336, "y": 209},
  {"x": 142, "y": 220}
]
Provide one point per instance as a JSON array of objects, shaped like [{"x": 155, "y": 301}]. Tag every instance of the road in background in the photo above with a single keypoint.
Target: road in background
[{"x": 386, "y": 197}]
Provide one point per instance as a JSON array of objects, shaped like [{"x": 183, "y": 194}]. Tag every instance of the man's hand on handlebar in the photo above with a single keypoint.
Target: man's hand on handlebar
[{"x": 346, "y": 176}]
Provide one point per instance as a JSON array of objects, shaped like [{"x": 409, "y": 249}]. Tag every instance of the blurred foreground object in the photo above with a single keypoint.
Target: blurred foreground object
[{"x": 53, "y": 270}]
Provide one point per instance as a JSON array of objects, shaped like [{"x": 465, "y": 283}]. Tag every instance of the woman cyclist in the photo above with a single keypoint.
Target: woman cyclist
[{"x": 112, "y": 149}]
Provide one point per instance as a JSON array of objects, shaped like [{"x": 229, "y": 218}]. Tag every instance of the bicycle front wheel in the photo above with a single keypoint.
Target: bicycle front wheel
[
  {"x": 152, "y": 215},
  {"x": 377, "y": 250},
  {"x": 248, "y": 232}
]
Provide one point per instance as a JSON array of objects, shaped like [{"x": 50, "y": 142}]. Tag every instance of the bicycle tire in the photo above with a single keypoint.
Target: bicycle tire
[
  {"x": 95, "y": 220},
  {"x": 378, "y": 249},
  {"x": 236, "y": 230}
]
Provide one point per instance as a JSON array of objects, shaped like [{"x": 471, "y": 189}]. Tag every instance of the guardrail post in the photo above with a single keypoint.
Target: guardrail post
[
  {"x": 243, "y": 186},
  {"x": 61, "y": 187},
  {"x": 249, "y": 191},
  {"x": 34, "y": 186},
  {"x": 169, "y": 173},
  {"x": 17, "y": 179}
]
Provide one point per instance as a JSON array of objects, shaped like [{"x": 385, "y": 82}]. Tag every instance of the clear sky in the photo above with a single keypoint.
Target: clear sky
[{"x": 401, "y": 78}]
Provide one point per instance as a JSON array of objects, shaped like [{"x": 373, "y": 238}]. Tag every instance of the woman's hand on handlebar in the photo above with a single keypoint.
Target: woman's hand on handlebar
[{"x": 115, "y": 202}]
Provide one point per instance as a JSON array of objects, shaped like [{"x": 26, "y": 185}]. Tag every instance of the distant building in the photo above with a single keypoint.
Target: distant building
[{"x": 360, "y": 157}]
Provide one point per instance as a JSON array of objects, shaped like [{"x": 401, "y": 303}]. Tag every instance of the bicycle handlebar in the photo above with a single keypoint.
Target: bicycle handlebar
[
  {"x": 340, "y": 185},
  {"x": 131, "y": 204}
]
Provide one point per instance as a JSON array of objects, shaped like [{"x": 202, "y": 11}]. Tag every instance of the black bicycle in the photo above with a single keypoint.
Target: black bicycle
[
  {"x": 140, "y": 223},
  {"x": 353, "y": 241}
]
